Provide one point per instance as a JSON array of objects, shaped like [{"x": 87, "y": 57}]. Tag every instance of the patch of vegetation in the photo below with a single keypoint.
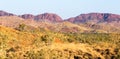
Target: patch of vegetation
[
  {"x": 38, "y": 44},
  {"x": 21, "y": 27}
]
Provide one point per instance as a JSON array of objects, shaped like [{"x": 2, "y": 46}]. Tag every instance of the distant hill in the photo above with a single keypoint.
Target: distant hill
[
  {"x": 84, "y": 23},
  {"x": 3, "y": 13},
  {"x": 50, "y": 37},
  {"x": 95, "y": 17},
  {"x": 41, "y": 17},
  {"x": 82, "y": 18},
  {"x": 104, "y": 22}
]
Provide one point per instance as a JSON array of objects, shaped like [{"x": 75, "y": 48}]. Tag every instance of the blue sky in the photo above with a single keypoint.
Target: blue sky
[{"x": 64, "y": 8}]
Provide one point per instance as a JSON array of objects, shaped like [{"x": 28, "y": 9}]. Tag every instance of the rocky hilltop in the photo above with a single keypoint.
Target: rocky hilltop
[
  {"x": 27, "y": 16},
  {"x": 41, "y": 17},
  {"x": 82, "y": 18},
  {"x": 91, "y": 22},
  {"x": 3, "y": 13},
  {"x": 49, "y": 17},
  {"x": 98, "y": 17}
]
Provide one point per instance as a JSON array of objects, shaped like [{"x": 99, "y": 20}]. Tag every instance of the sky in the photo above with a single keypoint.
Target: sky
[{"x": 64, "y": 8}]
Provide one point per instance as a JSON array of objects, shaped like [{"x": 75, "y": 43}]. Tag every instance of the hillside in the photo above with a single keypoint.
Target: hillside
[
  {"x": 14, "y": 22},
  {"x": 95, "y": 17},
  {"x": 21, "y": 45},
  {"x": 97, "y": 36},
  {"x": 84, "y": 23},
  {"x": 88, "y": 27}
]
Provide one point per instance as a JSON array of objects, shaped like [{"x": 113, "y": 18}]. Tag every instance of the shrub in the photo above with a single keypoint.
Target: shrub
[{"x": 21, "y": 27}]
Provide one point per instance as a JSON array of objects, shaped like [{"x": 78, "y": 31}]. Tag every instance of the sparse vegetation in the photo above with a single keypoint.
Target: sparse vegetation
[
  {"x": 21, "y": 27},
  {"x": 16, "y": 44}
]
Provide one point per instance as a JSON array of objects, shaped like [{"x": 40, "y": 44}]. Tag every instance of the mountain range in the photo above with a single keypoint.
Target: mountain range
[{"x": 91, "y": 22}]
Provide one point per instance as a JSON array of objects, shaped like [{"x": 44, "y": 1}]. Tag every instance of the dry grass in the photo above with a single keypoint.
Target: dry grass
[{"x": 26, "y": 45}]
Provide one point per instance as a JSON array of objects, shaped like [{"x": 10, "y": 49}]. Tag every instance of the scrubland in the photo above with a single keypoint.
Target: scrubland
[{"x": 38, "y": 44}]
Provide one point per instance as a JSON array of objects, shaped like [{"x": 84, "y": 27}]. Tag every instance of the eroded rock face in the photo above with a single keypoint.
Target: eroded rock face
[
  {"x": 27, "y": 16},
  {"x": 94, "y": 17},
  {"x": 43, "y": 17},
  {"x": 3, "y": 13},
  {"x": 49, "y": 17},
  {"x": 100, "y": 17}
]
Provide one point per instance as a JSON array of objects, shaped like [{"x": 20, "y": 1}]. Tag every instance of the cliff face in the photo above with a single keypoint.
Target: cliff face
[{"x": 99, "y": 17}]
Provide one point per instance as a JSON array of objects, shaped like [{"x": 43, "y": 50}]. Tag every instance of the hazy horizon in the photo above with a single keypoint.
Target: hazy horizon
[{"x": 64, "y": 8}]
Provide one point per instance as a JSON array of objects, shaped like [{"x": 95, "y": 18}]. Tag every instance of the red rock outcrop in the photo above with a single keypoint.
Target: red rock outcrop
[
  {"x": 100, "y": 17},
  {"x": 49, "y": 17},
  {"x": 43, "y": 17},
  {"x": 27, "y": 16}
]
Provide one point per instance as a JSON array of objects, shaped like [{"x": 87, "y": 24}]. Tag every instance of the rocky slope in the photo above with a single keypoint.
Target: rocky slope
[
  {"x": 41, "y": 17},
  {"x": 3, "y": 13},
  {"x": 27, "y": 16},
  {"x": 49, "y": 17},
  {"x": 92, "y": 22},
  {"x": 95, "y": 17}
]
